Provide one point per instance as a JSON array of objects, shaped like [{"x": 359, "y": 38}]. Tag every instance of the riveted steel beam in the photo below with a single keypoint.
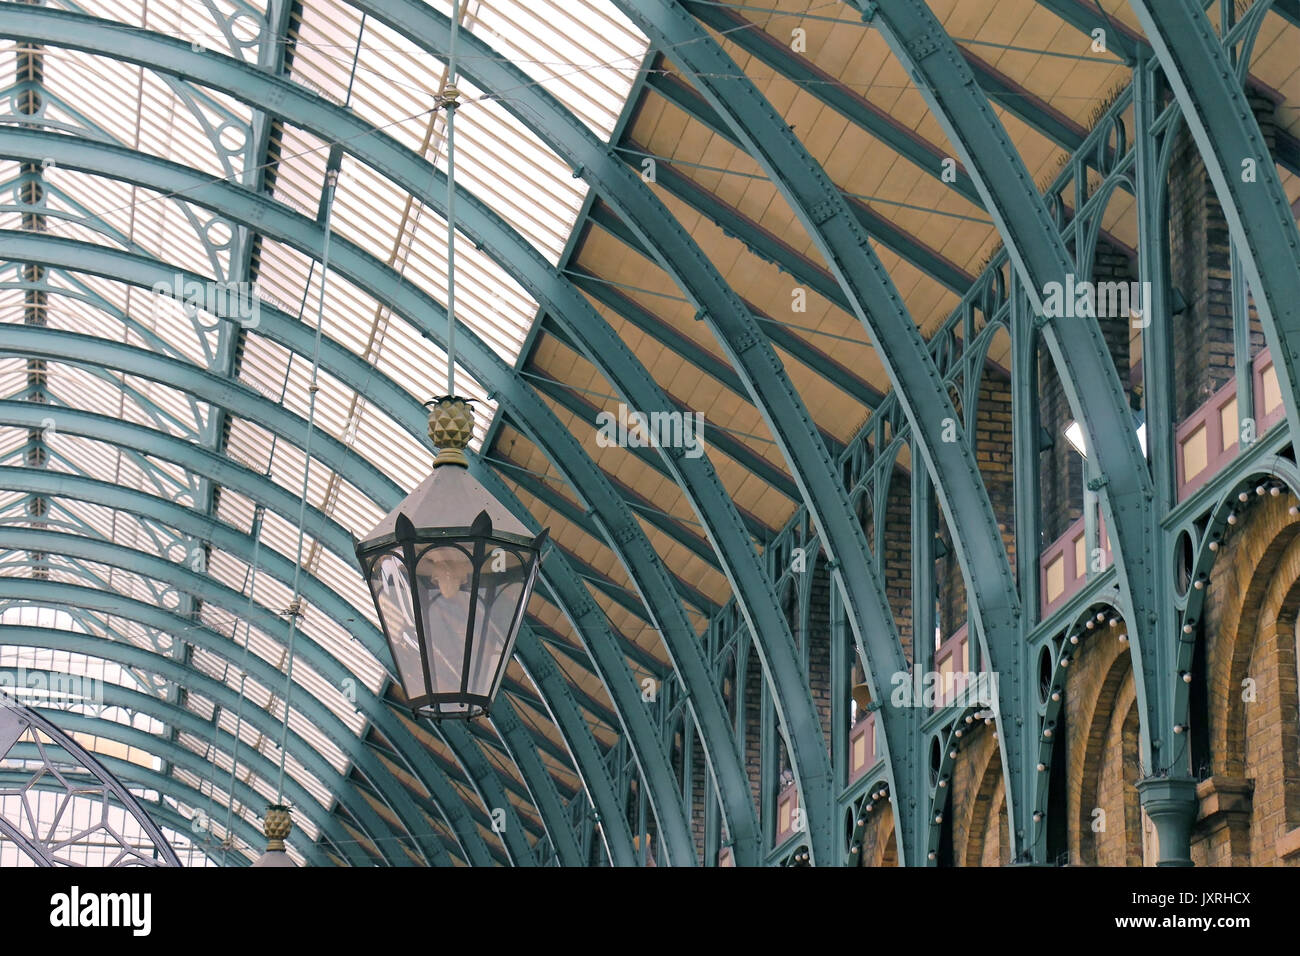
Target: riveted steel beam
[
  {"x": 593, "y": 629},
  {"x": 870, "y": 291},
  {"x": 222, "y": 537},
  {"x": 223, "y": 470},
  {"x": 747, "y": 348},
  {"x": 620, "y": 528},
  {"x": 292, "y": 102},
  {"x": 1242, "y": 170},
  {"x": 1088, "y": 374}
]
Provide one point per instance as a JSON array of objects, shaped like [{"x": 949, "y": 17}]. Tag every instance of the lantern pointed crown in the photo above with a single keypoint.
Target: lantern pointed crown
[{"x": 451, "y": 570}]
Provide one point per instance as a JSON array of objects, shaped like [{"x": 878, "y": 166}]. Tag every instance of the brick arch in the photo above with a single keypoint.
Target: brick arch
[
  {"x": 1238, "y": 584},
  {"x": 879, "y": 847},
  {"x": 989, "y": 796},
  {"x": 1271, "y": 725},
  {"x": 1095, "y": 715}
]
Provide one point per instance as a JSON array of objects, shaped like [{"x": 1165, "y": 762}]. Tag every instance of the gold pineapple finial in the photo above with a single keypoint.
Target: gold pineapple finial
[
  {"x": 451, "y": 426},
  {"x": 277, "y": 827}
]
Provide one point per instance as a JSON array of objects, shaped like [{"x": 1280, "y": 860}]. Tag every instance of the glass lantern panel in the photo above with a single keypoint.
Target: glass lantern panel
[
  {"x": 444, "y": 575},
  {"x": 391, "y": 586},
  {"x": 501, "y": 586}
]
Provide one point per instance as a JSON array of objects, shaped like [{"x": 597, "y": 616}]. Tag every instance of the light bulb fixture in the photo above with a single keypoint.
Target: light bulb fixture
[
  {"x": 1243, "y": 496},
  {"x": 1123, "y": 638},
  {"x": 1187, "y": 677},
  {"x": 938, "y": 818},
  {"x": 943, "y": 782},
  {"x": 931, "y": 855},
  {"x": 1074, "y": 638},
  {"x": 1232, "y": 517},
  {"x": 1179, "y": 728},
  {"x": 1214, "y": 546},
  {"x": 1074, "y": 434},
  {"x": 1047, "y": 733},
  {"x": 1274, "y": 491},
  {"x": 952, "y": 754},
  {"x": 1042, "y": 767}
]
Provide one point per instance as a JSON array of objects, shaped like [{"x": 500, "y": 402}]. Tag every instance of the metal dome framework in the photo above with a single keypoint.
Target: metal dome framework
[{"x": 665, "y": 565}]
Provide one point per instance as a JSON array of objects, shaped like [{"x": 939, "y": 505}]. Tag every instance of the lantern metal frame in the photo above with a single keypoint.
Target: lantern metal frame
[{"x": 479, "y": 540}]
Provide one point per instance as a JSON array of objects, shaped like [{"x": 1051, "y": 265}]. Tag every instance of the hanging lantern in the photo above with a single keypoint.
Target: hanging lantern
[{"x": 451, "y": 571}]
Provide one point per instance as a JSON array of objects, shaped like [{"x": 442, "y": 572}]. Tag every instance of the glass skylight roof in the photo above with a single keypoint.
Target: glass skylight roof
[{"x": 581, "y": 51}]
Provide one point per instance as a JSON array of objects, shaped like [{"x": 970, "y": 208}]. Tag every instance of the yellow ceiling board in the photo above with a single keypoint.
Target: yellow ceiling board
[
  {"x": 1275, "y": 63},
  {"x": 965, "y": 18}
]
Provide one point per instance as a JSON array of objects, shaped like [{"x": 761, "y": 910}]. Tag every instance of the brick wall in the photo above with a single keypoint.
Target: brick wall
[
  {"x": 1060, "y": 474},
  {"x": 1200, "y": 267},
  {"x": 819, "y": 643},
  {"x": 897, "y": 559},
  {"x": 1250, "y": 806},
  {"x": 993, "y": 447}
]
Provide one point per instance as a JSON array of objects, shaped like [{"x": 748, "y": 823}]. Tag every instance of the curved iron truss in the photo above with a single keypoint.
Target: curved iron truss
[{"x": 579, "y": 762}]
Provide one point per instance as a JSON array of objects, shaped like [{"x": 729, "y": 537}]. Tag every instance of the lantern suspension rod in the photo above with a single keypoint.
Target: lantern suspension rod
[
  {"x": 295, "y": 605},
  {"x": 243, "y": 674},
  {"x": 449, "y": 98}
]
